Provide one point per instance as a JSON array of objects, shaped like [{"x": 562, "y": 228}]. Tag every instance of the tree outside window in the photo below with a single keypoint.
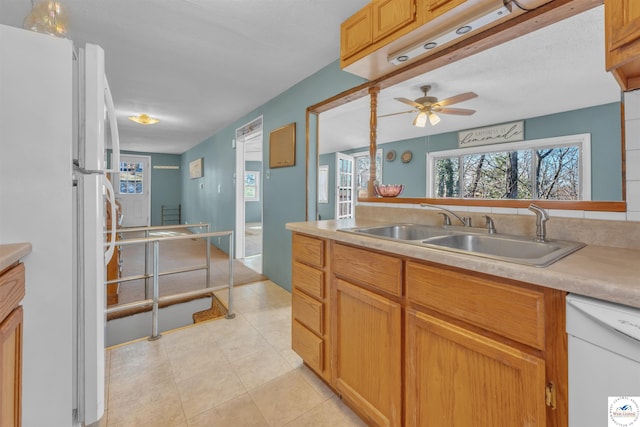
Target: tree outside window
[{"x": 540, "y": 170}]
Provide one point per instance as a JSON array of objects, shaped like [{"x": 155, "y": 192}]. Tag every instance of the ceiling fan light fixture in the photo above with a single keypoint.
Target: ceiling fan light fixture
[
  {"x": 420, "y": 120},
  {"x": 434, "y": 119},
  {"x": 144, "y": 119},
  {"x": 491, "y": 16}
]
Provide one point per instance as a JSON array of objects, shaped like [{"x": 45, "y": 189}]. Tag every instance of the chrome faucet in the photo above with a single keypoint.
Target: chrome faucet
[
  {"x": 491, "y": 228},
  {"x": 541, "y": 218},
  {"x": 465, "y": 220}
]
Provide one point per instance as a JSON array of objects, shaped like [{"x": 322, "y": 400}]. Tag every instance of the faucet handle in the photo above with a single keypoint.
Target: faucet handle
[{"x": 445, "y": 218}]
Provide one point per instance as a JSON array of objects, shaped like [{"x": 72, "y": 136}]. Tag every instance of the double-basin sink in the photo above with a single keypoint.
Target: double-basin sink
[{"x": 474, "y": 241}]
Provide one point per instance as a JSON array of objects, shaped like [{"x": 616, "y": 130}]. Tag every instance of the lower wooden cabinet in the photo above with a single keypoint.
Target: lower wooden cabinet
[
  {"x": 458, "y": 378},
  {"x": 407, "y": 342},
  {"x": 12, "y": 288},
  {"x": 367, "y": 348}
]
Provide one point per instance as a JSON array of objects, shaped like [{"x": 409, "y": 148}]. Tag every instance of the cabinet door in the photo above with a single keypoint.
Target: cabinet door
[
  {"x": 355, "y": 32},
  {"x": 367, "y": 348},
  {"x": 622, "y": 33},
  {"x": 435, "y": 8},
  {"x": 390, "y": 16},
  {"x": 457, "y": 378},
  {"x": 11, "y": 369}
]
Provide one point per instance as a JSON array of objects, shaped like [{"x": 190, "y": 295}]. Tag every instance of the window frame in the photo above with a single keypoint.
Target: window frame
[
  {"x": 257, "y": 186},
  {"x": 583, "y": 141}
]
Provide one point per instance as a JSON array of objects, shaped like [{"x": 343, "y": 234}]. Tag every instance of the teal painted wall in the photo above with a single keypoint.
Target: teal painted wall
[
  {"x": 253, "y": 210},
  {"x": 166, "y": 188},
  {"x": 602, "y": 122},
  {"x": 284, "y": 189}
]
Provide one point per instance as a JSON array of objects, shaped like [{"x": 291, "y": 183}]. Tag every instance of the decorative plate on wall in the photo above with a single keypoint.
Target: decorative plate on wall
[
  {"x": 391, "y": 155},
  {"x": 406, "y": 156}
]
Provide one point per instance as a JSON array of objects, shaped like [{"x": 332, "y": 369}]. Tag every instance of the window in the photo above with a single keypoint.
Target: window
[
  {"x": 550, "y": 169},
  {"x": 362, "y": 170},
  {"x": 251, "y": 186},
  {"x": 131, "y": 181}
]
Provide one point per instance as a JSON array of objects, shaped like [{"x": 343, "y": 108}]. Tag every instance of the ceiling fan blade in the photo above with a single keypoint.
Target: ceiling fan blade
[
  {"x": 410, "y": 102},
  {"x": 455, "y": 99},
  {"x": 395, "y": 114},
  {"x": 458, "y": 111}
]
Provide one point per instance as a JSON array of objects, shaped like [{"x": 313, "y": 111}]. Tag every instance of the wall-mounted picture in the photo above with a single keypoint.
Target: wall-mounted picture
[
  {"x": 196, "y": 168},
  {"x": 282, "y": 146}
]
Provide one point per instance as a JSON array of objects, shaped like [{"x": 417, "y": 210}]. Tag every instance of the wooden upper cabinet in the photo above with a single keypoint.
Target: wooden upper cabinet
[
  {"x": 391, "y": 15},
  {"x": 433, "y": 8},
  {"x": 355, "y": 32},
  {"x": 622, "y": 40}
]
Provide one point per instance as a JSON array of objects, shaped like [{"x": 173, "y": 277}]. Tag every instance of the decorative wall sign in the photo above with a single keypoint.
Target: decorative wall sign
[
  {"x": 507, "y": 132},
  {"x": 282, "y": 146},
  {"x": 195, "y": 168}
]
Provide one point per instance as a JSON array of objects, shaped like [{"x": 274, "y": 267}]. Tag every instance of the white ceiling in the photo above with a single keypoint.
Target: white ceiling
[
  {"x": 199, "y": 65},
  {"x": 555, "y": 69}
]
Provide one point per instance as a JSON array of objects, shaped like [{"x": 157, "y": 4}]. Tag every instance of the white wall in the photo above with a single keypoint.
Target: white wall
[{"x": 632, "y": 129}]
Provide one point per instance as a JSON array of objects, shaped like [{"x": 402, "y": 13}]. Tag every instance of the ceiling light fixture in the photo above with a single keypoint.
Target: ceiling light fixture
[
  {"x": 434, "y": 119},
  {"x": 420, "y": 120},
  {"x": 48, "y": 17},
  {"x": 426, "y": 45},
  {"x": 144, "y": 119}
]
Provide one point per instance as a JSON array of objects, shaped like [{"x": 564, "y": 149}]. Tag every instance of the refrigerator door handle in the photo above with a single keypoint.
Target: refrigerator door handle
[
  {"x": 111, "y": 238},
  {"x": 113, "y": 124}
]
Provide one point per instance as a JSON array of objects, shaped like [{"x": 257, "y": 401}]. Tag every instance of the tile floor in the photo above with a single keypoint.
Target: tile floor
[{"x": 239, "y": 372}]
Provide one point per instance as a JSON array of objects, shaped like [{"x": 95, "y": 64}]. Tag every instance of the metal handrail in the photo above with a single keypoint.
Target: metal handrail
[
  {"x": 155, "y": 299},
  {"x": 147, "y": 230}
]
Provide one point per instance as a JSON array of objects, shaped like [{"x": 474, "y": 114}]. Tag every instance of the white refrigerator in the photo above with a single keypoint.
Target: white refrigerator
[{"x": 56, "y": 122}]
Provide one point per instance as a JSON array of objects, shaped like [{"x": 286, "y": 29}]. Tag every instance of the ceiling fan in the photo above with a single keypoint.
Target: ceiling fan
[{"x": 428, "y": 106}]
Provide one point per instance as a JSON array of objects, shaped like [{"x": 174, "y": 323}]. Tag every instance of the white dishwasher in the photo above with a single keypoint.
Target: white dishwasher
[{"x": 604, "y": 363}]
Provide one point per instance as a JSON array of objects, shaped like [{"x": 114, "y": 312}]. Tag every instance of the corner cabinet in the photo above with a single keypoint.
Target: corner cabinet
[
  {"x": 622, "y": 40},
  {"x": 12, "y": 289}
]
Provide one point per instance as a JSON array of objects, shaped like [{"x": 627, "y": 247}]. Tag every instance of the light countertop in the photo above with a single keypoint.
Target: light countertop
[
  {"x": 602, "y": 272},
  {"x": 13, "y": 252}
]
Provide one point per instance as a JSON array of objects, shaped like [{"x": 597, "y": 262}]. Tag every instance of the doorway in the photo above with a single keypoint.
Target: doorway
[
  {"x": 133, "y": 190},
  {"x": 249, "y": 194}
]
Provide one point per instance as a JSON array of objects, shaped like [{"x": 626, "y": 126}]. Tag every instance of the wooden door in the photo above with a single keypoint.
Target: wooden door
[
  {"x": 622, "y": 40},
  {"x": 391, "y": 15},
  {"x": 367, "y": 349},
  {"x": 11, "y": 369},
  {"x": 457, "y": 378}
]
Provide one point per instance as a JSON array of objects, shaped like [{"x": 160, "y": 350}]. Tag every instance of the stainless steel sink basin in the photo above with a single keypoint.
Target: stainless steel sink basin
[
  {"x": 402, "y": 231},
  {"x": 474, "y": 241},
  {"x": 506, "y": 247}
]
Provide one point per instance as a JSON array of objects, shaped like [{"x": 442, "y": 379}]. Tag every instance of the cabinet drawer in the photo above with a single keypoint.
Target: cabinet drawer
[
  {"x": 308, "y": 250},
  {"x": 380, "y": 271},
  {"x": 308, "y": 279},
  {"x": 308, "y": 346},
  {"x": 307, "y": 311},
  {"x": 508, "y": 310},
  {"x": 11, "y": 289}
]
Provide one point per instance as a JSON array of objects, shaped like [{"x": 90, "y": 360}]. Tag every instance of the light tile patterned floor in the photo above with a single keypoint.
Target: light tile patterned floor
[{"x": 239, "y": 372}]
